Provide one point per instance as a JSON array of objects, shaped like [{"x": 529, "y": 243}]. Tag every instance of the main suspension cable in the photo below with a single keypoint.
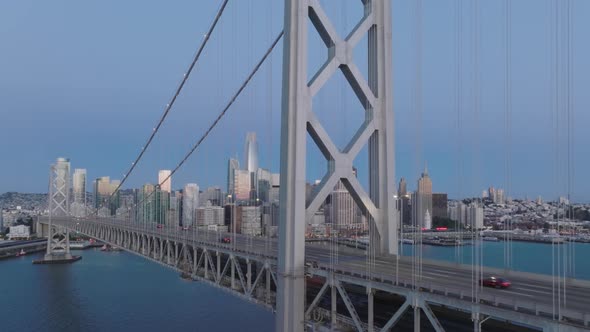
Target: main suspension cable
[
  {"x": 221, "y": 114},
  {"x": 174, "y": 97}
]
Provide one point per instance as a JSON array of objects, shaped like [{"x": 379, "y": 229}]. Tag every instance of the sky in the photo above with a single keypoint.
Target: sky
[{"x": 89, "y": 80}]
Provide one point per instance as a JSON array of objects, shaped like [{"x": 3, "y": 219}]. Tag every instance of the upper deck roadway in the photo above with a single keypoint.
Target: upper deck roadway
[{"x": 438, "y": 277}]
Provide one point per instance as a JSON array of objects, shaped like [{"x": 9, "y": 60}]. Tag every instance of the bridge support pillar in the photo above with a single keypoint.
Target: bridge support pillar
[
  {"x": 248, "y": 274},
  {"x": 416, "y": 319},
  {"x": 370, "y": 313},
  {"x": 233, "y": 272},
  {"x": 218, "y": 265},
  {"x": 298, "y": 119},
  {"x": 58, "y": 238},
  {"x": 268, "y": 281},
  {"x": 334, "y": 307},
  {"x": 206, "y": 256}
]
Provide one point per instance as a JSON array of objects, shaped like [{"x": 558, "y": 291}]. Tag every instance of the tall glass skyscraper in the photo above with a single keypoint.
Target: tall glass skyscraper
[{"x": 251, "y": 153}]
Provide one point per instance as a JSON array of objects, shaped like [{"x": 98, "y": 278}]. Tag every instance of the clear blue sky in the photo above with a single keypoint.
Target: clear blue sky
[{"x": 88, "y": 80}]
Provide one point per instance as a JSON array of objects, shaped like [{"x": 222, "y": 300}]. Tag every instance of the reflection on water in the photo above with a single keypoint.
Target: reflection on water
[{"x": 116, "y": 292}]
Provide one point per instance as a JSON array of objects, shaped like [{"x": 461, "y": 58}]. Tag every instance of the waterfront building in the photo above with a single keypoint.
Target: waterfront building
[
  {"x": 475, "y": 216},
  {"x": 439, "y": 205},
  {"x": 422, "y": 199},
  {"x": 20, "y": 232},
  {"x": 427, "y": 220}
]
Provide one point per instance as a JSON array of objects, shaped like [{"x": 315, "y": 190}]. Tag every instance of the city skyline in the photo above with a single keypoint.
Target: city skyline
[{"x": 92, "y": 101}]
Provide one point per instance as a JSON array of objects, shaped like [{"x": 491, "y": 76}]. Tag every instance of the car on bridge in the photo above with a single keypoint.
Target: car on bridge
[
  {"x": 495, "y": 282},
  {"x": 159, "y": 226},
  {"x": 226, "y": 239}
]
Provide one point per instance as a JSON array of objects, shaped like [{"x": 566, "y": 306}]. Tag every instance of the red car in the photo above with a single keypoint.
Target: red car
[
  {"x": 159, "y": 226},
  {"x": 225, "y": 240},
  {"x": 495, "y": 282}
]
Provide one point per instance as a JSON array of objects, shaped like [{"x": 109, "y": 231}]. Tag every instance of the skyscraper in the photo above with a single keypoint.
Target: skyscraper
[
  {"x": 422, "y": 199},
  {"x": 342, "y": 208},
  {"x": 402, "y": 190},
  {"x": 190, "y": 203},
  {"x": 232, "y": 166},
  {"x": 78, "y": 207},
  {"x": 147, "y": 208},
  {"x": 439, "y": 205},
  {"x": 165, "y": 186},
  {"x": 251, "y": 153},
  {"x": 79, "y": 185},
  {"x": 427, "y": 220},
  {"x": 103, "y": 189},
  {"x": 242, "y": 182}
]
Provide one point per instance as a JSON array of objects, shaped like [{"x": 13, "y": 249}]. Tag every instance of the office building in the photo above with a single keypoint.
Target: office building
[
  {"x": 232, "y": 166},
  {"x": 475, "y": 216},
  {"x": 250, "y": 223},
  {"x": 242, "y": 182},
  {"x": 212, "y": 195},
  {"x": 210, "y": 215},
  {"x": 78, "y": 206},
  {"x": 439, "y": 205},
  {"x": 402, "y": 189},
  {"x": 103, "y": 194},
  {"x": 422, "y": 199},
  {"x": 165, "y": 181},
  {"x": 190, "y": 203}
]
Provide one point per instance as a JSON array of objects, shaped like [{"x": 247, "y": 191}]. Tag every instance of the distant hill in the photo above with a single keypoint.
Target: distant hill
[{"x": 24, "y": 200}]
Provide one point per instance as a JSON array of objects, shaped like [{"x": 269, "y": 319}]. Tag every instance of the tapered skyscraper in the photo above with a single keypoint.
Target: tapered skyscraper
[{"x": 251, "y": 153}]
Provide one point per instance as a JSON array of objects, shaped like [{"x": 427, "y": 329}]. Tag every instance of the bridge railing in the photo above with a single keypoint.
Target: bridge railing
[{"x": 432, "y": 288}]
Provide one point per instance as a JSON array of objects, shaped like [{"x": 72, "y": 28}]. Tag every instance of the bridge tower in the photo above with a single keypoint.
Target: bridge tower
[
  {"x": 58, "y": 238},
  {"x": 298, "y": 119}
]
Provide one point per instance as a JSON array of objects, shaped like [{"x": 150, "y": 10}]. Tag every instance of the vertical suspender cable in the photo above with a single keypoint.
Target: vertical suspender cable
[{"x": 459, "y": 126}]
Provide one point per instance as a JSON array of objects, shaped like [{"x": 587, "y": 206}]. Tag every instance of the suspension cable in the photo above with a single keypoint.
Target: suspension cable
[
  {"x": 221, "y": 114},
  {"x": 174, "y": 97}
]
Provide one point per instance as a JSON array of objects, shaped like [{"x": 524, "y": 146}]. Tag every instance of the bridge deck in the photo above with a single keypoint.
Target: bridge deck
[{"x": 441, "y": 283}]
